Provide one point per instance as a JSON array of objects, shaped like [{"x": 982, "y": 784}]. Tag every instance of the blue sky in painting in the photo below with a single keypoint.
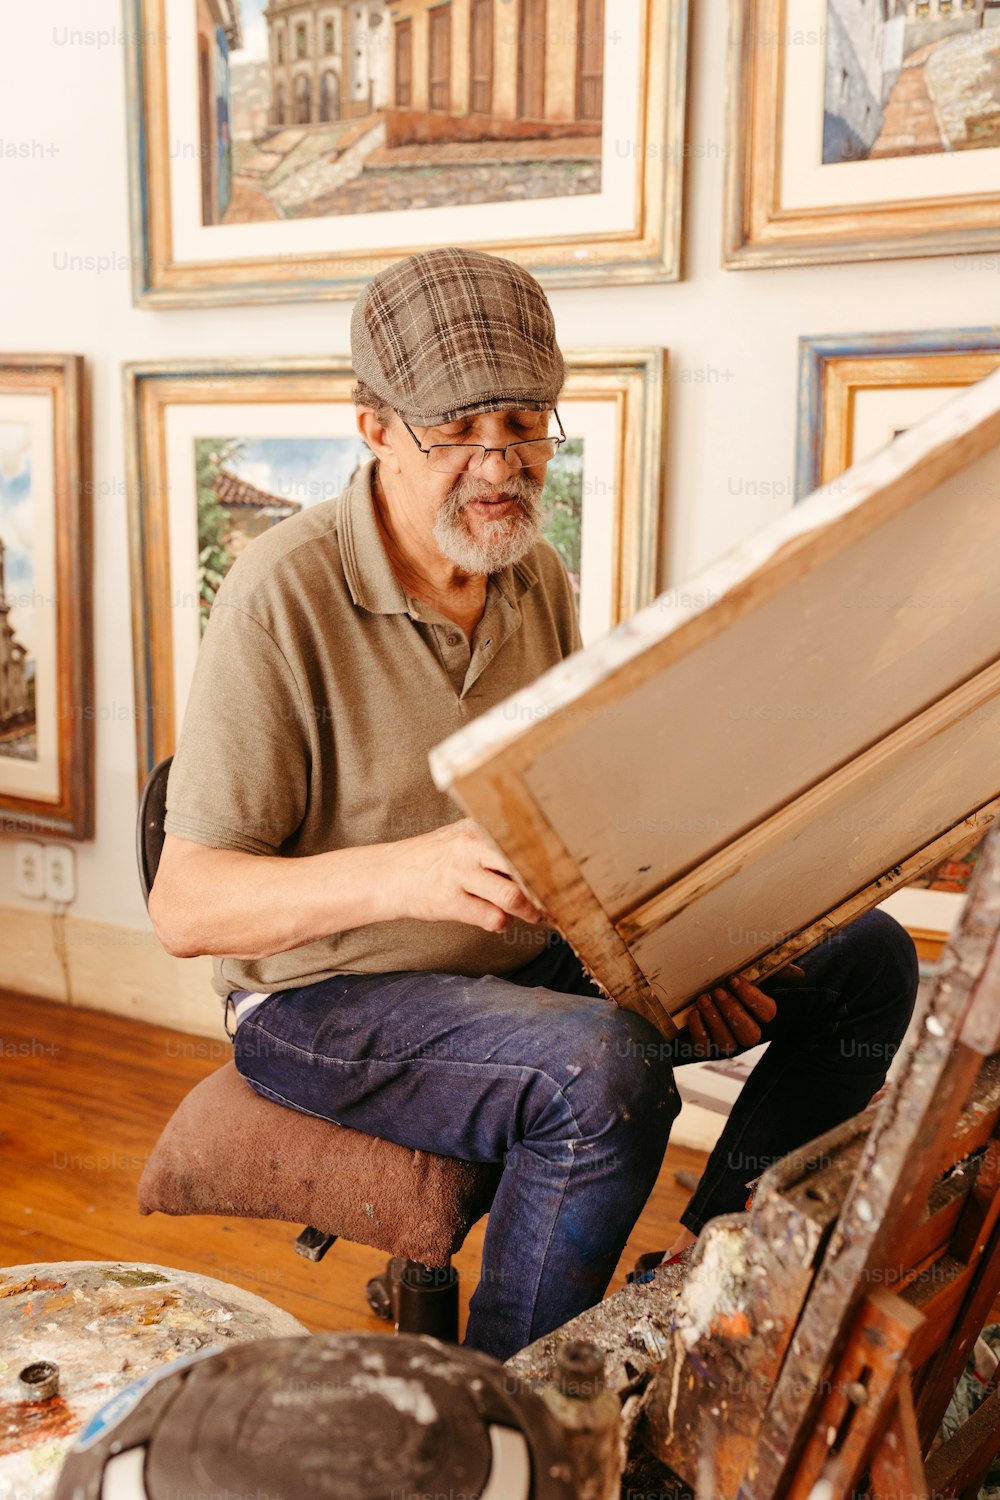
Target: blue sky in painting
[
  {"x": 254, "y": 30},
  {"x": 308, "y": 470},
  {"x": 17, "y": 524}
]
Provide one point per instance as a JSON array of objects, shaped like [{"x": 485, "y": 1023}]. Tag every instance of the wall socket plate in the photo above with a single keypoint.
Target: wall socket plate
[
  {"x": 29, "y": 869},
  {"x": 60, "y": 873}
]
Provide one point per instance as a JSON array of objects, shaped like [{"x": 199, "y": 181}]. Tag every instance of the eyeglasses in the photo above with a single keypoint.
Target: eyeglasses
[{"x": 452, "y": 458}]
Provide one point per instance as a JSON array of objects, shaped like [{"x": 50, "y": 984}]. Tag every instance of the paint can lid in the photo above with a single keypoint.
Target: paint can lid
[{"x": 39, "y": 1381}]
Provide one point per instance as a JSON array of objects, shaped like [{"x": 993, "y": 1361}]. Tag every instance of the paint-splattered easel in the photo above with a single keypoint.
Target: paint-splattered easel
[{"x": 822, "y": 1339}]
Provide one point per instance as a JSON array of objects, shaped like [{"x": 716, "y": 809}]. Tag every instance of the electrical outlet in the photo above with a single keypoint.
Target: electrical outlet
[
  {"x": 29, "y": 869},
  {"x": 60, "y": 873}
]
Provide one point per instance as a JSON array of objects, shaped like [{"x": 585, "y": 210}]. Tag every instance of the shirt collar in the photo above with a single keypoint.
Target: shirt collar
[{"x": 369, "y": 573}]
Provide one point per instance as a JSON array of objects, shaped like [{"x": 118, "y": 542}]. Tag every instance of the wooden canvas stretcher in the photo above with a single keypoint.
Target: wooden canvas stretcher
[{"x": 758, "y": 757}]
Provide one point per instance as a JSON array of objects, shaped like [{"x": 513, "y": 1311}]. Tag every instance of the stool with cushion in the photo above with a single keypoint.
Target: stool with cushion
[{"x": 227, "y": 1150}]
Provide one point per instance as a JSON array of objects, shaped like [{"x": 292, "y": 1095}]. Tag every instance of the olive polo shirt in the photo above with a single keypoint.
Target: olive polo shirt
[{"x": 319, "y": 690}]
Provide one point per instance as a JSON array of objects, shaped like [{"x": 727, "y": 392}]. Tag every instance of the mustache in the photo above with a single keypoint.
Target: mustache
[{"x": 468, "y": 487}]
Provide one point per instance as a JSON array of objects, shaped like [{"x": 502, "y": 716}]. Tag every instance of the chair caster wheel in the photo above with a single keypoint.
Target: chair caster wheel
[
  {"x": 383, "y": 1291},
  {"x": 380, "y": 1298}
]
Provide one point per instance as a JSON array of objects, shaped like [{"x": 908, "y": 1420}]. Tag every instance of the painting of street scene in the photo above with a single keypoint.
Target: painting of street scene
[
  {"x": 312, "y": 108},
  {"x": 18, "y": 737},
  {"x": 247, "y": 485},
  {"x": 910, "y": 78}
]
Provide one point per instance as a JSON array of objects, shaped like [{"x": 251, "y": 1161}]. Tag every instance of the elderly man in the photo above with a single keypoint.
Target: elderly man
[{"x": 383, "y": 966}]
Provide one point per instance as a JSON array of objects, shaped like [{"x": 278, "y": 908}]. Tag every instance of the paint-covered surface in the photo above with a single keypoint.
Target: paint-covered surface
[
  {"x": 733, "y": 1320},
  {"x": 632, "y": 1328},
  {"x": 731, "y": 1328},
  {"x": 694, "y": 1351},
  {"x": 876, "y": 1254},
  {"x": 104, "y": 1324}
]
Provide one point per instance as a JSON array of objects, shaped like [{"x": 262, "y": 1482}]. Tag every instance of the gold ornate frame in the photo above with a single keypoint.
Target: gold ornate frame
[
  {"x": 649, "y": 251},
  {"x": 62, "y": 377},
  {"x": 833, "y": 370},
  {"x": 634, "y": 379},
  {"x": 759, "y": 232}
]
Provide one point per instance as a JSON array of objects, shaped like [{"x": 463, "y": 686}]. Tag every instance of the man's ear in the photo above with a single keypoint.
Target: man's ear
[{"x": 378, "y": 437}]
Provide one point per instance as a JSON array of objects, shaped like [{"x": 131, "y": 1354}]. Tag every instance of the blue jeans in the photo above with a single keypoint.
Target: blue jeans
[{"x": 573, "y": 1095}]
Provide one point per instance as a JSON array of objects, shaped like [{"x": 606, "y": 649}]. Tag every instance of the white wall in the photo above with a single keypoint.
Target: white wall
[{"x": 732, "y": 338}]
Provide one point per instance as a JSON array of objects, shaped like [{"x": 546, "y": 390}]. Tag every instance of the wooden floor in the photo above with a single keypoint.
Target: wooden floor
[{"x": 83, "y": 1097}]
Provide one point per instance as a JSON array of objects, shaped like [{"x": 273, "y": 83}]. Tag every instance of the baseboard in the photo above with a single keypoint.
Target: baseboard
[{"x": 123, "y": 970}]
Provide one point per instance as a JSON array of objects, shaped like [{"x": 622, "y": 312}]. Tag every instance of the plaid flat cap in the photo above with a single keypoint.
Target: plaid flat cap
[{"x": 448, "y": 333}]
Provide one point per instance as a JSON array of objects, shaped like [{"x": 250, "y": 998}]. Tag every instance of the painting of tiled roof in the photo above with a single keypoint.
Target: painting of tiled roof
[{"x": 237, "y": 494}]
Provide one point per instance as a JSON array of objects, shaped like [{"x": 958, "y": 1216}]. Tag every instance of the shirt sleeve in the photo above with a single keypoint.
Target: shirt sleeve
[{"x": 240, "y": 774}]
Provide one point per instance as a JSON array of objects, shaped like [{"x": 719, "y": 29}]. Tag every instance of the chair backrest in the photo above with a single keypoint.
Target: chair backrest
[{"x": 149, "y": 832}]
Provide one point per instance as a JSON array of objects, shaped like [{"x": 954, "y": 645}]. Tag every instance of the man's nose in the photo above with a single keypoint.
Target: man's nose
[{"x": 495, "y": 467}]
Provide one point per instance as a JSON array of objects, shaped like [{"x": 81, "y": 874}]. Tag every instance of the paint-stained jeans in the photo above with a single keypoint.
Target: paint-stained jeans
[{"x": 575, "y": 1096}]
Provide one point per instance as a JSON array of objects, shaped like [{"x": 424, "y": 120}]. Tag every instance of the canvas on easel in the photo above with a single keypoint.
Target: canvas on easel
[{"x": 753, "y": 760}]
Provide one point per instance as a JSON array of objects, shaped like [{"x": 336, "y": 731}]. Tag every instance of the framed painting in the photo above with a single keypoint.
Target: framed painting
[
  {"x": 46, "y": 662},
  {"x": 289, "y": 149},
  {"x": 219, "y": 451},
  {"x": 861, "y": 130},
  {"x": 858, "y": 392}
]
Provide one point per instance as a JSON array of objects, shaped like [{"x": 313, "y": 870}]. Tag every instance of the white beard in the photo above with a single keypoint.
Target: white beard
[{"x": 495, "y": 544}]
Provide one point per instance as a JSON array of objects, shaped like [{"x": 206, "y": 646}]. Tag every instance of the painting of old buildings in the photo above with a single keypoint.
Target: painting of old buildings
[
  {"x": 314, "y": 108},
  {"x": 17, "y": 595},
  {"x": 910, "y": 77},
  {"x": 219, "y": 32}
]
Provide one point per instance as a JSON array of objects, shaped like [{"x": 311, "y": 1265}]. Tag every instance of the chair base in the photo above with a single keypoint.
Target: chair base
[{"x": 417, "y": 1298}]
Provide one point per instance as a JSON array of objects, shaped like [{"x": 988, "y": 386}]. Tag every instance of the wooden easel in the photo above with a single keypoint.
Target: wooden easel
[{"x": 852, "y": 1313}]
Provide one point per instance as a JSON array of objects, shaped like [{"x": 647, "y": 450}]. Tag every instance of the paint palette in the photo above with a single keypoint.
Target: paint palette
[{"x": 103, "y": 1324}]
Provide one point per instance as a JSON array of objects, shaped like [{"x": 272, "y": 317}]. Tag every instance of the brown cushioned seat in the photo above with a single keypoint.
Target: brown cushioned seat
[{"x": 228, "y": 1150}]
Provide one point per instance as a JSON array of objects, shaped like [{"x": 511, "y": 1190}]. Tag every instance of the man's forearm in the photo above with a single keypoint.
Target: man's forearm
[{"x": 237, "y": 905}]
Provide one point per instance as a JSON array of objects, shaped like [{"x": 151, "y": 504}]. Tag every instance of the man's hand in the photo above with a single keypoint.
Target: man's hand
[
  {"x": 456, "y": 874},
  {"x": 729, "y": 1019}
]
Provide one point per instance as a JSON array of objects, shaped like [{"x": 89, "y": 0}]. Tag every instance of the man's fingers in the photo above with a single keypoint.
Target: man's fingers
[
  {"x": 491, "y": 856},
  {"x": 503, "y": 892},
  {"x": 760, "y": 1005},
  {"x": 494, "y": 862},
  {"x": 720, "y": 1032},
  {"x": 478, "y": 912},
  {"x": 519, "y": 904},
  {"x": 742, "y": 1025},
  {"x": 700, "y": 1043},
  {"x": 524, "y": 906}
]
